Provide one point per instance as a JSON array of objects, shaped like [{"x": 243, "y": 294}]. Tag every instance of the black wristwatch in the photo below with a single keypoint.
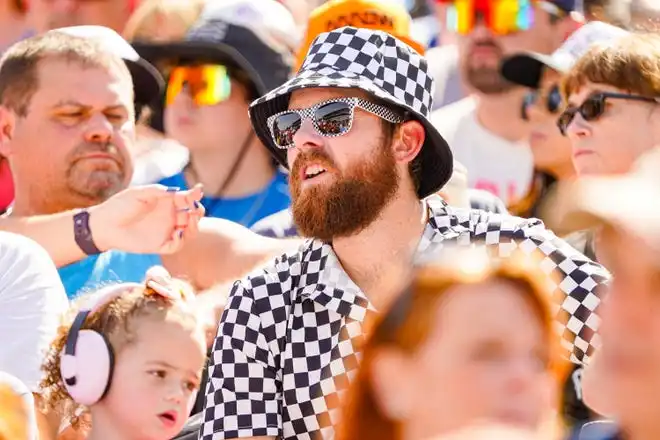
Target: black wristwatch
[{"x": 83, "y": 233}]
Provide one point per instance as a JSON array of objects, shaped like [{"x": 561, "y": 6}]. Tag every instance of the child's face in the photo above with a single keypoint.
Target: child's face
[{"x": 154, "y": 380}]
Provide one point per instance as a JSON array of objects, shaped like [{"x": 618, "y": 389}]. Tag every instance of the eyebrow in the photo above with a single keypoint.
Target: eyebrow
[
  {"x": 73, "y": 103},
  {"x": 172, "y": 367}
]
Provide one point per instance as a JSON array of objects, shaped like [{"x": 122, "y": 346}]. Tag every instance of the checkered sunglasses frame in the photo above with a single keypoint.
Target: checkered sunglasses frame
[{"x": 309, "y": 113}]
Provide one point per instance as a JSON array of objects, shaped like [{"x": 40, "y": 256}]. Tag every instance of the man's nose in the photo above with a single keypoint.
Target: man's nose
[{"x": 99, "y": 129}]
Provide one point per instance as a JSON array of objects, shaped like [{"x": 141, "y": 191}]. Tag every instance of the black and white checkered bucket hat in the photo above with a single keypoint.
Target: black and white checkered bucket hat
[{"x": 379, "y": 64}]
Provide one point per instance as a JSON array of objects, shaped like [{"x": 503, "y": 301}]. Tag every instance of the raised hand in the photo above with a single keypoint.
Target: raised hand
[{"x": 147, "y": 219}]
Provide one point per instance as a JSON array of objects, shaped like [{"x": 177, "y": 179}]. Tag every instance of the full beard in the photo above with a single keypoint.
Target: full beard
[{"x": 349, "y": 204}]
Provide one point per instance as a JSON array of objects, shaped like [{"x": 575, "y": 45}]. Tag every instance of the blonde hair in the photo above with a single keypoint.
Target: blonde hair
[
  {"x": 115, "y": 320},
  {"x": 631, "y": 64},
  {"x": 162, "y": 21}
]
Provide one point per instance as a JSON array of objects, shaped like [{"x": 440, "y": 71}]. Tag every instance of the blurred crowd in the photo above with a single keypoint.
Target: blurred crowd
[{"x": 341, "y": 219}]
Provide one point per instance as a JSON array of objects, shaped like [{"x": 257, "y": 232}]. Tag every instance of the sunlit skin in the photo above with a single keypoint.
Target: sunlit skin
[
  {"x": 156, "y": 377},
  {"x": 623, "y": 381},
  {"x": 51, "y": 14},
  {"x": 482, "y": 50},
  {"x": 612, "y": 143},
  {"x": 464, "y": 373},
  {"x": 82, "y": 120},
  {"x": 551, "y": 150}
]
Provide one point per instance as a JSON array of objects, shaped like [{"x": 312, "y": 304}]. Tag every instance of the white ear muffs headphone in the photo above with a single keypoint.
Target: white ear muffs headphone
[{"x": 87, "y": 361}]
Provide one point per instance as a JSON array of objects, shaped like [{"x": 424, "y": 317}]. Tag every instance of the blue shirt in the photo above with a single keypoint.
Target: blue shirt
[
  {"x": 244, "y": 210},
  {"x": 109, "y": 267}
]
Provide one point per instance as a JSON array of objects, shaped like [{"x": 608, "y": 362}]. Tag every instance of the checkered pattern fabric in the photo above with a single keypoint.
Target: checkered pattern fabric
[
  {"x": 387, "y": 66},
  {"x": 374, "y": 62},
  {"x": 288, "y": 344}
]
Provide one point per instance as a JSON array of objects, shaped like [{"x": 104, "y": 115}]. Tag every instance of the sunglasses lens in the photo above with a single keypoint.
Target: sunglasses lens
[
  {"x": 207, "y": 84},
  {"x": 592, "y": 107},
  {"x": 554, "y": 100},
  {"x": 565, "y": 120},
  {"x": 500, "y": 16},
  {"x": 334, "y": 118},
  {"x": 528, "y": 100},
  {"x": 285, "y": 127}
]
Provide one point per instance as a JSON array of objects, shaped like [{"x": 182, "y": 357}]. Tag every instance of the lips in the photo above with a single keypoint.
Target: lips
[
  {"x": 168, "y": 418},
  {"x": 311, "y": 171}
]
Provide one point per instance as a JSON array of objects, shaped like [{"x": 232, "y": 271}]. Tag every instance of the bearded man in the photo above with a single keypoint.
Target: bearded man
[{"x": 353, "y": 127}]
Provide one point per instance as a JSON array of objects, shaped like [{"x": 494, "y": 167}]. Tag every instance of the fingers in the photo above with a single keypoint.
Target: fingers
[
  {"x": 150, "y": 191},
  {"x": 187, "y": 213},
  {"x": 196, "y": 214}
]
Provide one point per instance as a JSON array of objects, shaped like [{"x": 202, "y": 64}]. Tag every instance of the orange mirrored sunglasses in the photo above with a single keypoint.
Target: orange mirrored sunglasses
[{"x": 207, "y": 84}]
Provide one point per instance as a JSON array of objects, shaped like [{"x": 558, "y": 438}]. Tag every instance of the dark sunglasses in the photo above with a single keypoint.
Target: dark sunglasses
[
  {"x": 552, "y": 101},
  {"x": 594, "y": 106},
  {"x": 330, "y": 119}
]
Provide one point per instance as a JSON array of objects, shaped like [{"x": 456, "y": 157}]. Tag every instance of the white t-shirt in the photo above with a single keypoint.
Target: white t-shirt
[
  {"x": 443, "y": 66},
  {"x": 32, "y": 300},
  {"x": 497, "y": 165}
]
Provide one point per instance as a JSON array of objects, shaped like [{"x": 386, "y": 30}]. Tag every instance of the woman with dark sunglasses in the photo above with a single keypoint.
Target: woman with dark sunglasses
[
  {"x": 551, "y": 151},
  {"x": 542, "y": 74},
  {"x": 468, "y": 342}
]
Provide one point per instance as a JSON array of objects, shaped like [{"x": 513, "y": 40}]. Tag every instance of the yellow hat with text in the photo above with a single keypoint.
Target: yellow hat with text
[{"x": 383, "y": 15}]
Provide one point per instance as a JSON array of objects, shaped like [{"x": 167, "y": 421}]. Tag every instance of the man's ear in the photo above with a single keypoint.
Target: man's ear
[
  {"x": 410, "y": 138},
  {"x": 7, "y": 125}
]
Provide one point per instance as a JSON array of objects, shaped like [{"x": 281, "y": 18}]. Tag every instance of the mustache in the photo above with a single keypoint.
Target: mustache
[
  {"x": 485, "y": 44},
  {"x": 308, "y": 157},
  {"x": 108, "y": 148}
]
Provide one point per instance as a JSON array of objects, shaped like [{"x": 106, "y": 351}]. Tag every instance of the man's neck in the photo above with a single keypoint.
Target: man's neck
[
  {"x": 211, "y": 168},
  {"x": 378, "y": 258},
  {"x": 500, "y": 114}
]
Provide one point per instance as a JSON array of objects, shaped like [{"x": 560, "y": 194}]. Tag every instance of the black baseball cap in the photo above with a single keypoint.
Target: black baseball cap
[{"x": 257, "y": 37}]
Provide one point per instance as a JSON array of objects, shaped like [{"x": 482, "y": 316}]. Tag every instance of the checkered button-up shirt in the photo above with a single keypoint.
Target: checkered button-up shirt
[{"x": 286, "y": 348}]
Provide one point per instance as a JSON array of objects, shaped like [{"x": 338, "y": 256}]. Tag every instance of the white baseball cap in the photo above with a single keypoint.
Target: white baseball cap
[{"x": 525, "y": 69}]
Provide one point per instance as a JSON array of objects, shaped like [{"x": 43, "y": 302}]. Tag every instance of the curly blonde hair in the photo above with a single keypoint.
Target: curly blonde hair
[{"x": 116, "y": 320}]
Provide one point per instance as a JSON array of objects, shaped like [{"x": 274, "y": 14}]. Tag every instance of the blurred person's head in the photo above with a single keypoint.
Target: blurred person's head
[
  {"x": 17, "y": 421},
  {"x": 612, "y": 115},
  {"x": 492, "y": 431},
  {"x": 237, "y": 51},
  {"x": 354, "y": 138},
  {"x": 427, "y": 369},
  {"x": 386, "y": 15},
  {"x": 67, "y": 122},
  {"x": 626, "y": 221},
  {"x": 160, "y": 21},
  {"x": 537, "y": 26},
  {"x": 644, "y": 14},
  {"x": 299, "y": 10},
  {"x": 131, "y": 356},
  {"x": 51, "y": 14},
  {"x": 543, "y": 73}
]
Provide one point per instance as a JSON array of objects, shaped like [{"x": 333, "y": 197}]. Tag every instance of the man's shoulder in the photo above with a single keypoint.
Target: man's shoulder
[{"x": 283, "y": 271}]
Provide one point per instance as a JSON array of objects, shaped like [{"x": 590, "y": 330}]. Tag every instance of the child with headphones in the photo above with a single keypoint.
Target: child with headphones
[{"x": 129, "y": 361}]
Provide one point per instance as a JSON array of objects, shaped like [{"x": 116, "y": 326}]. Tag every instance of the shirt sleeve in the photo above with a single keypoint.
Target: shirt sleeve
[
  {"x": 581, "y": 281},
  {"x": 243, "y": 394},
  {"x": 32, "y": 301}
]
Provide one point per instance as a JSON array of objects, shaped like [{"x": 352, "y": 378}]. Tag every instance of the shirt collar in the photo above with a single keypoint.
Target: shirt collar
[{"x": 325, "y": 281}]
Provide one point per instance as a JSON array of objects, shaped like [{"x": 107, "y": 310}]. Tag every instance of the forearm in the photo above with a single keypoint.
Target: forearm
[{"x": 53, "y": 232}]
